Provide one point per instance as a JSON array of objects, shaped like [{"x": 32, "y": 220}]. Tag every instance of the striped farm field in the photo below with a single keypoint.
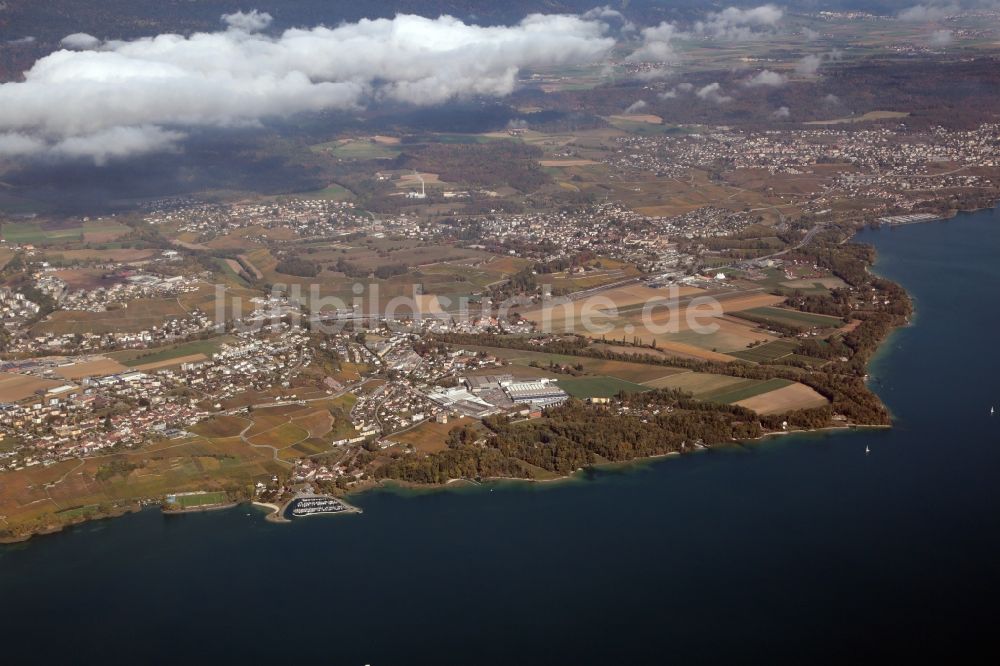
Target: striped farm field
[
  {"x": 767, "y": 352},
  {"x": 784, "y": 399},
  {"x": 695, "y": 383},
  {"x": 747, "y": 388},
  {"x": 793, "y": 317}
]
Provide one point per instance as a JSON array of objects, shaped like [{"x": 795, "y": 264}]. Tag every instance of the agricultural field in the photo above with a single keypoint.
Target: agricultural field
[
  {"x": 39, "y": 233},
  {"x": 763, "y": 396},
  {"x": 332, "y": 192},
  {"x": 695, "y": 383},
  {"x": 95, "y": 367},
  {"x": 638, "y": 373},
  {"x": 671, "y": 330},
  {"x": 358, "y": 149},
  {"x": 615, "y": 300},
  {"x": 14, "y": 387},
  {"x": 136, "y": 357},
  {"x": 430, "y": 436},
  {"x": 599, "y": 387},
  {"x": 767, "y": 352},
  {"x": 566, "y": 163},
  {"x": 784, "y": 399},
  {"x": 124, "y": 255},
  {"x": 746, "y": 388},
  {"x": 282, "y": 436},
  {"x": 5, "y": 256},
  {"x": 815, "y": 285},
  {"x": 221, "y": 426},
  {"x": 794, "y": 318},
  {"x": 138, "y": 315}
]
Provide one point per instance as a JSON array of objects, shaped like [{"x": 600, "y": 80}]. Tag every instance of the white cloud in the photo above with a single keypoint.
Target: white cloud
[
  {"x": 252, "y": 21},
  {"x": 657, "y": 44},
  {"x": 941, "y": 38},
  {"x": 22, "y": 41},
  {"x": 766, "y": 78},
  {"x": 80, "y": 41},
  {"x": 809, "y": 65},
  {"x": 636, "y": 106},
  {"x": 17, "y": 145},
  {"x": 154, "y": 86},
  {"x": 713, "y": 93},
  {"x": 781, "y": 112},
  {"x": 117, "y": 142},
  {"x": 675, "y": 92},
  {"x": 731, "y": 24},
  {"x": 606, "y": 13},
  {"x": 928, "y": 12},
  {"x": 735, "y": 24}
]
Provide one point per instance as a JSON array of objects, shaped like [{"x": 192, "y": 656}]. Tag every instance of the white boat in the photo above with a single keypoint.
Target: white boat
[{"x": 867, "y": 450}]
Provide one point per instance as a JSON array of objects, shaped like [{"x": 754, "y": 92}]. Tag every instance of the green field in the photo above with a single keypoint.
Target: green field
[
  {"x": 201, "y": 499},
  {"x": 745, "y": 389},
  {"x": 810, "y": 360},
  {"x": 793, "y": 317},
  {"x": 140, "y": 357},
  {"x": 357, "y": 150},
  {"x": 465, "y": 138},
  {"x": 34, "y": 233},
  {"x": 767, "y": 352},
  {"x": 598, "y": 387},
  {"x": 227, "y": 270},
  {"x": 333, "y": 192}
]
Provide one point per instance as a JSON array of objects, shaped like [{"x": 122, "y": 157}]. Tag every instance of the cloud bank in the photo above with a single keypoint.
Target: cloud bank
[
  {"x": 104, "y": 100},
  {"x": 735, "y": 24},
  {"x": 730, "y": 25}
]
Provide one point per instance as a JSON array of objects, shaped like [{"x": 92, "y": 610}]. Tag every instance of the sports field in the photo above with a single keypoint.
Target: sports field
[{"x": 200, "y": 499}]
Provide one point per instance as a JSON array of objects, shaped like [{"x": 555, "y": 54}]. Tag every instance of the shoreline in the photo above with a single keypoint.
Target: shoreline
[
  {"x": 277, "y": 513},
  {"x": 199, "y": 509},
  {"x": 611, "y": 464}
]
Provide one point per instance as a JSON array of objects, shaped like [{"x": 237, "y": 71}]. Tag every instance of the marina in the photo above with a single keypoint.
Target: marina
[{"x": 317, "y": 505}]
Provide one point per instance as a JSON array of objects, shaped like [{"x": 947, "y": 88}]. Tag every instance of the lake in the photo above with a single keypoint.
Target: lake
[{"x": 799, "y": 549}]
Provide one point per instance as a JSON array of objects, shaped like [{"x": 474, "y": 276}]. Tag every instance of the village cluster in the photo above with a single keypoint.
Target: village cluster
[
  {"x": 303, "y": 218},
  {"x": 873, "y": 163}
]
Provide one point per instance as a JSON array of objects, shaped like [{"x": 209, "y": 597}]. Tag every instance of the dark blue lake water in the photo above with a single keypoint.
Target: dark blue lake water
[{"x": 801, "y": 549}]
